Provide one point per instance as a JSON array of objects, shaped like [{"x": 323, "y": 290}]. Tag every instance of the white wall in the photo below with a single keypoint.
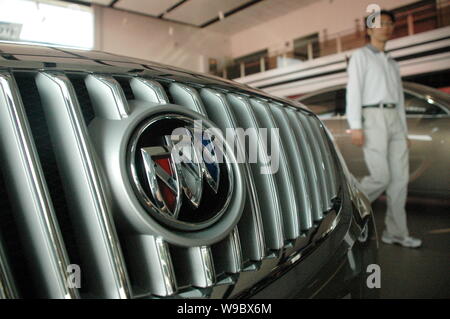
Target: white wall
[
  {"x": 147, "y": 38},
  {"x": 188, "y": 47},
  {"x": 333, "y": 15}
]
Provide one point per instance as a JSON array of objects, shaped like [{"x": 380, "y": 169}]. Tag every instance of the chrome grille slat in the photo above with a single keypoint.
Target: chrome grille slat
[
  {"x": 250, "y": 226},
  {"x": 194, "y": 266},
  {"x": 186, "y": 96},
  {"x": 308, "y": 160},
  {"x": 107, "y": 97},
  {"x": 151, "y": 266},
  {"x": 228, "y": 255},
  {"x": 148, "y": 90},
  {"x": 265, "y": 184},
  {"x": 283, "y": 177},
  {"x": 326, "y": 157},
  {"x": 318, "y": 160},
  {"x": 89, "y": 202},
  {"x": 8, "y": 288},
  {"x": 24, "y": 176},
  {"x": 298, "y": 167},
  {"x": 329, "y": 158}
]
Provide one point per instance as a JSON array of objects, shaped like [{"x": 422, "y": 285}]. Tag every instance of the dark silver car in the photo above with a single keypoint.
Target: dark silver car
[
  {"x": 94, "y": 204},
  {"x": 428, "y": 117}
]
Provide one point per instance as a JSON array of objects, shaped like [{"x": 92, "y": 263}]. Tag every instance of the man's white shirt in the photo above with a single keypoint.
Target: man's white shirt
[{"x": 373, "y": 78}]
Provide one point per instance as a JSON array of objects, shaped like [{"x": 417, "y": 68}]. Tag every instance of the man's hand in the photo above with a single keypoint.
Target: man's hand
[{"x": 357, "y": 137}]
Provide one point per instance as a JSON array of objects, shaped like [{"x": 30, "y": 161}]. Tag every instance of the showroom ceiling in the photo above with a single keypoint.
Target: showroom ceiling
[{"x": 225, "y": 16}]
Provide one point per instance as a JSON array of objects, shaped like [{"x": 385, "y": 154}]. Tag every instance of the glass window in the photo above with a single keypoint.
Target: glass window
[
  {"x": 304, "y": 44},
  {"x": 322, "y": 103},
  {"x": 37, "y": 21},
  {"x": 415, "y": 105},
  {"x": 252, "y": 62}
]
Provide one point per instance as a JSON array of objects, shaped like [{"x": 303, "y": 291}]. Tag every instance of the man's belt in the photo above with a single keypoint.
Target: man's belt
[{"x": 381, "y": 105}]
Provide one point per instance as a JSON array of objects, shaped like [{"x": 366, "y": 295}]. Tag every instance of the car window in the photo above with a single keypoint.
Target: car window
[
  {"x": 322, "y": 103},
  {"x": 419, "y": 106}
]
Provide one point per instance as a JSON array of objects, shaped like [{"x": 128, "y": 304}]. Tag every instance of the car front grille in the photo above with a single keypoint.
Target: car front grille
[{"x": 57, "y": 199}]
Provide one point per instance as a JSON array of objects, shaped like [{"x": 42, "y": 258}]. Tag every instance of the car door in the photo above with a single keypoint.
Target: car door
[{"x": 428, "y": 131}]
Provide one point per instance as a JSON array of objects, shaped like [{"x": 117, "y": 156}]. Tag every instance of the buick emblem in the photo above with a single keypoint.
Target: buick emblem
[{"x": 180, "y": 173}]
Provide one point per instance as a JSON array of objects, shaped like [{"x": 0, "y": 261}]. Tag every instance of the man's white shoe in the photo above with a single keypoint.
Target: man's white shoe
[{"x": 408, "y": 241}]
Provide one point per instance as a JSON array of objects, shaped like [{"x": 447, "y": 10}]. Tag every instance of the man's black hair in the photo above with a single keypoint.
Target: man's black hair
[{"x": 389, "y": 13}]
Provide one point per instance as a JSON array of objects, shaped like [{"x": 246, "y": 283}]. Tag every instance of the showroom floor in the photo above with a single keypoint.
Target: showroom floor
[{"x": 417, "y": 273}]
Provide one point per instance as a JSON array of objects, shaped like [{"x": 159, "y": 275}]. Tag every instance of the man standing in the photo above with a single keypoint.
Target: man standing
[{"x": 376, "y": 116}]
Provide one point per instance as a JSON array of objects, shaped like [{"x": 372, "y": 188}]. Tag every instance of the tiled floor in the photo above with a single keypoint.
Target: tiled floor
[{"x": 417, "y": 273}]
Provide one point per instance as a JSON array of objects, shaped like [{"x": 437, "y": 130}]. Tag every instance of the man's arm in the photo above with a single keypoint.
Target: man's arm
[{"x": 355, "y": 86}]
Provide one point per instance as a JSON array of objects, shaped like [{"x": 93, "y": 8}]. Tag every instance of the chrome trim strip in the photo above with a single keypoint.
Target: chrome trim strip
[
  {"x": 166, "y": 266},
  {"x": 265, "y": 184},
  {"x": 236, "y": 250},
  {"x": 299, "y": 171},
  {"x": 30, "y": 194},
  {"x": 426, "y": 98},
  {"x": 251, "y": 227},
  {"x": 107, "y": 97},
  {"x": 306, "y": 154},
  {"x": 148, "y": 91},
  {"x": 207, "y": 266},
  {"x": 283, "y": 177},
  {"x": 80, "y": 171}
]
